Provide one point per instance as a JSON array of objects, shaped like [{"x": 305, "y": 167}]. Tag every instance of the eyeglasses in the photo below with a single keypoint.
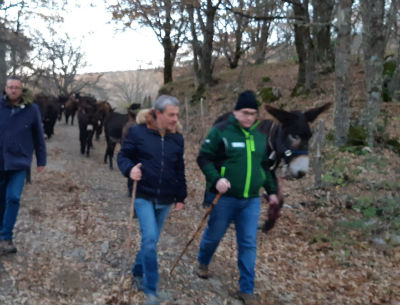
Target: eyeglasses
[
  {"x": 247, "y": 113},
  {"x": 13, "y": 88}
]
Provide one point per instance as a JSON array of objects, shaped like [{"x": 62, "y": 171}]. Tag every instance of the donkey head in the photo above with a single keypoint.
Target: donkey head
[{"x": 291, "y": 141}]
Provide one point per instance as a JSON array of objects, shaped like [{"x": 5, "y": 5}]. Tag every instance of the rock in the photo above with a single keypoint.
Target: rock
[{"x": 105, "y": 247}]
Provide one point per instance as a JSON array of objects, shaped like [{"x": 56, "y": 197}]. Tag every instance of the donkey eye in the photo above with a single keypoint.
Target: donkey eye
[{"x": 295, "y": 140}]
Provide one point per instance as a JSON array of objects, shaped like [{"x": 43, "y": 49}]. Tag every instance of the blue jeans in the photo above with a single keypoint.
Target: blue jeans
[
  {"x": 151, "y": 217},
  {"x": 244, "y": 213},
  {"x": 11, "y": 185}
]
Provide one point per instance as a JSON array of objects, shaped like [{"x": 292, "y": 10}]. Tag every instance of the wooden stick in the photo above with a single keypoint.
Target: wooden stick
[
  {"x": 129, "y": 240},
  {"x": 215, "y": 201}
]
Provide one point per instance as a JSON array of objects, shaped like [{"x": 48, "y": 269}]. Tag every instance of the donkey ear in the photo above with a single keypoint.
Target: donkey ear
[
  {"x": 281, "y": 115},
  {"x": 312, "y": 114}
]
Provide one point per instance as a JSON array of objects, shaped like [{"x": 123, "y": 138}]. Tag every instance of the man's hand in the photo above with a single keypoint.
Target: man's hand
[
  {"x": 223, "y": 185},
  {"x": 179, "y": 206},
  {"x": 273, "y": 199},
  {"x": 136, "y": 172},
  {"x": 40, "y": 169}
]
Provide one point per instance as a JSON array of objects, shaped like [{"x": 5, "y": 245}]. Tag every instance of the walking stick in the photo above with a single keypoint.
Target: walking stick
[
  {"x": 215, "y": 201},
  {"x": 132, "y": 211},
  {"x": 130, "y": 232}
]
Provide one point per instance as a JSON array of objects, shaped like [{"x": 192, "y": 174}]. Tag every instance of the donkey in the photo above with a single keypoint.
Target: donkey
[{"x": 288, "y": 137}]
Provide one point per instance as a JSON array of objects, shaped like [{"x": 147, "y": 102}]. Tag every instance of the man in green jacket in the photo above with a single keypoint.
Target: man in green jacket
[{"x": 234, "y": 160}]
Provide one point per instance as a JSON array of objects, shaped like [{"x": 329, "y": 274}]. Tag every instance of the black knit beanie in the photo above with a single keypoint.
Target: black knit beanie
[{"x": 247, "y": 99}]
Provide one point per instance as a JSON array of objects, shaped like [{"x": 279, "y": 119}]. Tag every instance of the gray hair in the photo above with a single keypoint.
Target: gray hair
[{"x": 163, "y": 101}]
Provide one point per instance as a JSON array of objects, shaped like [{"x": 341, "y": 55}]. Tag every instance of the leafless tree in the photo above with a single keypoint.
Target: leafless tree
[
  {"x": 230, "y": 29},
  {"x": 321, "y": 30},
  {"x": 129, "y": 87},
  {"x": 260, "y": 30},
  {"x": 60, "y": 61},
  {"x": 166, "y": 18},
  {"x": 306, "y": 79},
  {"x": 202, "y": 16},
  {"x": 15, "y": 39}
]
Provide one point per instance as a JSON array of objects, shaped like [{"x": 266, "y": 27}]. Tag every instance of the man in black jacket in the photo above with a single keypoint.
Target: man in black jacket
[{"x": 152, "y": 154}]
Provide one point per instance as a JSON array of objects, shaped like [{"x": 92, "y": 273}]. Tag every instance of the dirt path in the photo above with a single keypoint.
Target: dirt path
[{"x": 72, "y": 229}]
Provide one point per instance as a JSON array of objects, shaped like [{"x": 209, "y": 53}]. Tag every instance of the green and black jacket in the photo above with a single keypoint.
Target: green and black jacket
[{"x": 239, "y": 155}]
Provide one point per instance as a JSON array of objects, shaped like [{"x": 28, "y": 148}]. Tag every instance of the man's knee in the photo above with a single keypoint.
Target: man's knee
[{"x": 13, "y": 200}]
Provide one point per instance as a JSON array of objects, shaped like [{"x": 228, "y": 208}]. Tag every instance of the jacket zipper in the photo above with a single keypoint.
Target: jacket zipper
[
  {"x": 250, "y": 147},
  {"x": 162, "y": 166}
]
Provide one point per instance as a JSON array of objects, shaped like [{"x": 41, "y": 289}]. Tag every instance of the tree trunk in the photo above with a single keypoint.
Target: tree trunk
[
  {"x": 261, "y": 46},
  {"x": 3, "y": 66},
  {"x": 207, "y": 66},
  {"x": 342, "y": 59},
  {"x": 394, "y": 85},
  {"x": 322, "y": 17},
  {"x": 168, "y": 60},
  {"x": 372, "y": 13},
  {"x": 195, "y": 45},
  {"x": 304, "y": 47}
]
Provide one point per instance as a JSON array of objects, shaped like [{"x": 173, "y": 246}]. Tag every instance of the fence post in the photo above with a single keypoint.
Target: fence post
[{"x": 317, "y": 145}]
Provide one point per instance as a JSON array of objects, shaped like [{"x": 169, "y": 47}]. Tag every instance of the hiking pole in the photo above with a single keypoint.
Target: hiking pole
[
  {"x": 130, "y": 231},
  {"x": 215, "y": 201},
  {"x": 132, "y": 211}
]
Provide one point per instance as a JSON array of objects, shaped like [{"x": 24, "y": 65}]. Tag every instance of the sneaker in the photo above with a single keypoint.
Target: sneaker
[
  {"x": 7, "y": 246},
  {"x": 138, "y": 282},
  {"x": 248, "y": 298},
  {"x": 202, "y": 271},
  {"x": 152, "y": 299}
]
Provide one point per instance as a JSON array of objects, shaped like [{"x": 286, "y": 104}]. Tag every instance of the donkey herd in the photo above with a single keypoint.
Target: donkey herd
[{"x": 93, "y": 117}]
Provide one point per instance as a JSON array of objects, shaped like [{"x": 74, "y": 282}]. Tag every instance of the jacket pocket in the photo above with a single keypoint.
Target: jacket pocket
[{"x": 16, "y": 150}]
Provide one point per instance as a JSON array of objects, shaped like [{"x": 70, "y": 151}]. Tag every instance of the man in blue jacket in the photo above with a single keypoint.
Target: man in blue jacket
[
  {"x": 21, "y": 132},
  {"x": 152, "y": 154}
]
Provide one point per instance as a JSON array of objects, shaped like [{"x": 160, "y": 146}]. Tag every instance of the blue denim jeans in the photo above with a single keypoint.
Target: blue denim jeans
[
  {"x": 11, "y": 185},
  {"x": 151, "y": 217},
  {"x": 244, "y": 213}
]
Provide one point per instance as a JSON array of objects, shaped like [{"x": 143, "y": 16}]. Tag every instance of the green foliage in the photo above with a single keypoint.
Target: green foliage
[
  {"x": 389, "y": 67},
  {"x": 337, "y": 173},
  {"x": 394, "y": 144},
  {"x": 266, "y": 79},
  {"x": 352, "y": 224},
  {"x": 357, "y": 136},
  {"x": 299, "y": 90},
  {"x": 386, "y": 208},
  {"x": 330, "y": 137},
  {"x": 356, "y": 141},
  {"x": 386, "y": 97},
  {"x": 382, "y": 136},
  {"x": 267, "y": 95}
]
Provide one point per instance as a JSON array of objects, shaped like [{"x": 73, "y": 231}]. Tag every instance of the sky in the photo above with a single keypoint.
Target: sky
[{"x": 107, "y": 49}]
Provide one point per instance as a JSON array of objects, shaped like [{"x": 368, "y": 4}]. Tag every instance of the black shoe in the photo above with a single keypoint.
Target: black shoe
[{"x": 7, "y": 247}]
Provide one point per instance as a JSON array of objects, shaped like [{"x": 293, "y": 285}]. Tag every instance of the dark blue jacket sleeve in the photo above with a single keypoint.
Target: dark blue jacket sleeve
[
  {"x": 126, "y": 155},
  {"x": 38, "y": 138}
]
